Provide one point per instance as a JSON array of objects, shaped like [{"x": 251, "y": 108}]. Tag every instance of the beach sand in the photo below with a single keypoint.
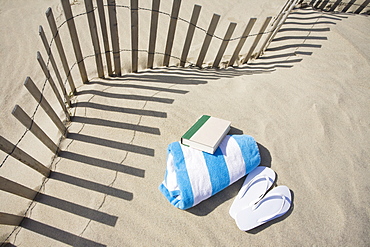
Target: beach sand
[{"x": 305, "y": 101}]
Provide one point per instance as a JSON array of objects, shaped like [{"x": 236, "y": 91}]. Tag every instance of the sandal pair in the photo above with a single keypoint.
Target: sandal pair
[{"x": 256, "y": 203}]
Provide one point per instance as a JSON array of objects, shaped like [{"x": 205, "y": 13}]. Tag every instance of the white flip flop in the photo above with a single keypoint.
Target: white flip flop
[
  {"x": 275, "y": 204},
  {"x": 255, "y": 186}
]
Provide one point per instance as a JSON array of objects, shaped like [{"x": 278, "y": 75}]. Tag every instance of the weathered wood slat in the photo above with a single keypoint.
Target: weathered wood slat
[
  {"x": 17, "y": 153},
  {"x": 242, "y": 40},
  {"x": 335, "y": 5},
  {"x": 10, "y": 219},
  {"x": 363, "y": 5},
  {"x": 153, "y": 33},
  {"x": 34, "y": 128},
  {"x": 112, "y": 12},
  {"x": 190, "y": 34},
  {"x": 31, "y": 87},
  {"x": 171, "y": 32},
  {"x": 207, "y": 39},
  {"x": 257, "y": 39},
  {"x": 349, "y": 5},
  {"x": 280, "y": 21},
  {"x": 16, "y": 189},
  {"x": 224, "y": 44},
  {"x": 74, "y": 38},
  {"x": 58, "y": 43},
  {"x": 54, "y": 65},
  {"x": 134, "y": 34},
  {"x": 324, "y": 3},
  {"x": 94, "y": 36},
  {"x": 52, "y": 84},
  {"x": 103, "y": 27}
]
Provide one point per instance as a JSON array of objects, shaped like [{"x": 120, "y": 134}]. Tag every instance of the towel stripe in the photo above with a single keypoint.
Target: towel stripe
[
  {"x": 250, "y": 152},
  {"x": 198, "y": 174},
  {"x": 182, "y": 176},
  {"x": 233, "y": 157}
]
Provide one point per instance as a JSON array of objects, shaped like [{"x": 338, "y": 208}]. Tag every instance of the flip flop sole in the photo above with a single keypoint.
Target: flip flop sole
[
  {"x": 254, "y": 187},
  {"x": 275, "y": 204}
]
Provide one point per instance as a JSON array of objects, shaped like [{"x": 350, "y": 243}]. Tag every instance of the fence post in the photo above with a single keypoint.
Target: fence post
[
  {"x": 53, "y": 63},
  {"x": 31, "y": 87},
  {"x": 52, "y": 84},
  {"x": 34, "y": 128},
  {"x": 349, "y": 5},
  {"x": 134, "y": 34},
  {"x": 153, "y": 32},
  {"x": 242, "y": 40},
  {"x": 94, "y": 37},
  {"x": 103, "y": 27},
  {"x": 224, "y": 44},
  {"x": 190, "y": 34},
  {"x": 112, "y": 12},
  {"x": 207, "y": 39},
  {"x": 280, "y": 21},
  {"x": 171, "y": 31},
  {"x": 58, "y": 43},
  {"x": 74, "y": 38},
  {"x": 363, "y": 5},
  {"x": 256, "y": 40},
  {"x": 17, "y": 153}
]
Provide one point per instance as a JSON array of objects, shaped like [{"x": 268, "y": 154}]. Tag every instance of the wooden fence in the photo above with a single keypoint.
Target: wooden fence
[
  {"x": 109, "y": 47},
  {"x": 340, "y": 6}
]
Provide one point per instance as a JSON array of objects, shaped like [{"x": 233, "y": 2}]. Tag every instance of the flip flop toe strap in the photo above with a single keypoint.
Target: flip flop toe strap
[
  {"x": 272, "y": 216},
  {"x": 255, "y": 179}
]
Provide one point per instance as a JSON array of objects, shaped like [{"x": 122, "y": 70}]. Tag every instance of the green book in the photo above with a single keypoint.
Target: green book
[{"x": 206, "y": 134}]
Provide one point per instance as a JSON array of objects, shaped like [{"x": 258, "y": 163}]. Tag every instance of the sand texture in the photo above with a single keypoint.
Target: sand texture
[{"x": 305, "y": 101}]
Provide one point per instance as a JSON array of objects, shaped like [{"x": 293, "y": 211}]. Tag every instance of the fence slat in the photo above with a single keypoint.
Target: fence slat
[
  {"x": 224, "y": 44},
  {"x": 153, "y": 33},
  {"x": 103, "y": 27},
  {"x": 335, "y": 5},
  {"x": 171, "y": 31},
  {"x": 10, "y": 219},
  {"x": 241, "y": 42},
  {"x": 112, "y": 12},
  {"x": 190, "y": 34},
  {"x": 324, "y": 3},
  {"x": 317, "y": 4},
  {"x": 58, "y": 43},
  {"x": 17, "y": 153},
  {"x": 16, "y": 189},
  {"x": 94, "y": 36},
  {"x": 134, "y": 34},
  {"x": 34, "y": 128},
  {"x": 363, "y": 5},
  {"x": 280, "y": 21},
  {"x": 53, "y": 63},
  {"x": 349, "y": 5},
  {"x": 31, "y": 87},
  {"x": 52, "y": 84},
  {"x": 74, "y": 38},
  {"x": 257, "y": 39},
  {"x": 207, "y": 39}
]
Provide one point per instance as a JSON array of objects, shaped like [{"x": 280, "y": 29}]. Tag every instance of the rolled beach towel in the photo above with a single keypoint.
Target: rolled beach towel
[{"x": 193, "y": 176}]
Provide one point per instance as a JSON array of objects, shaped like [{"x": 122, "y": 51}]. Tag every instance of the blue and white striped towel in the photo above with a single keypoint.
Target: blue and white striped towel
[{"x": 193, "y": 176}]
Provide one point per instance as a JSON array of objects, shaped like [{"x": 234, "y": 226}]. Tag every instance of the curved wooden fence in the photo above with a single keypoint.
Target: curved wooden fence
[{"x": 103, "y": 22}]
